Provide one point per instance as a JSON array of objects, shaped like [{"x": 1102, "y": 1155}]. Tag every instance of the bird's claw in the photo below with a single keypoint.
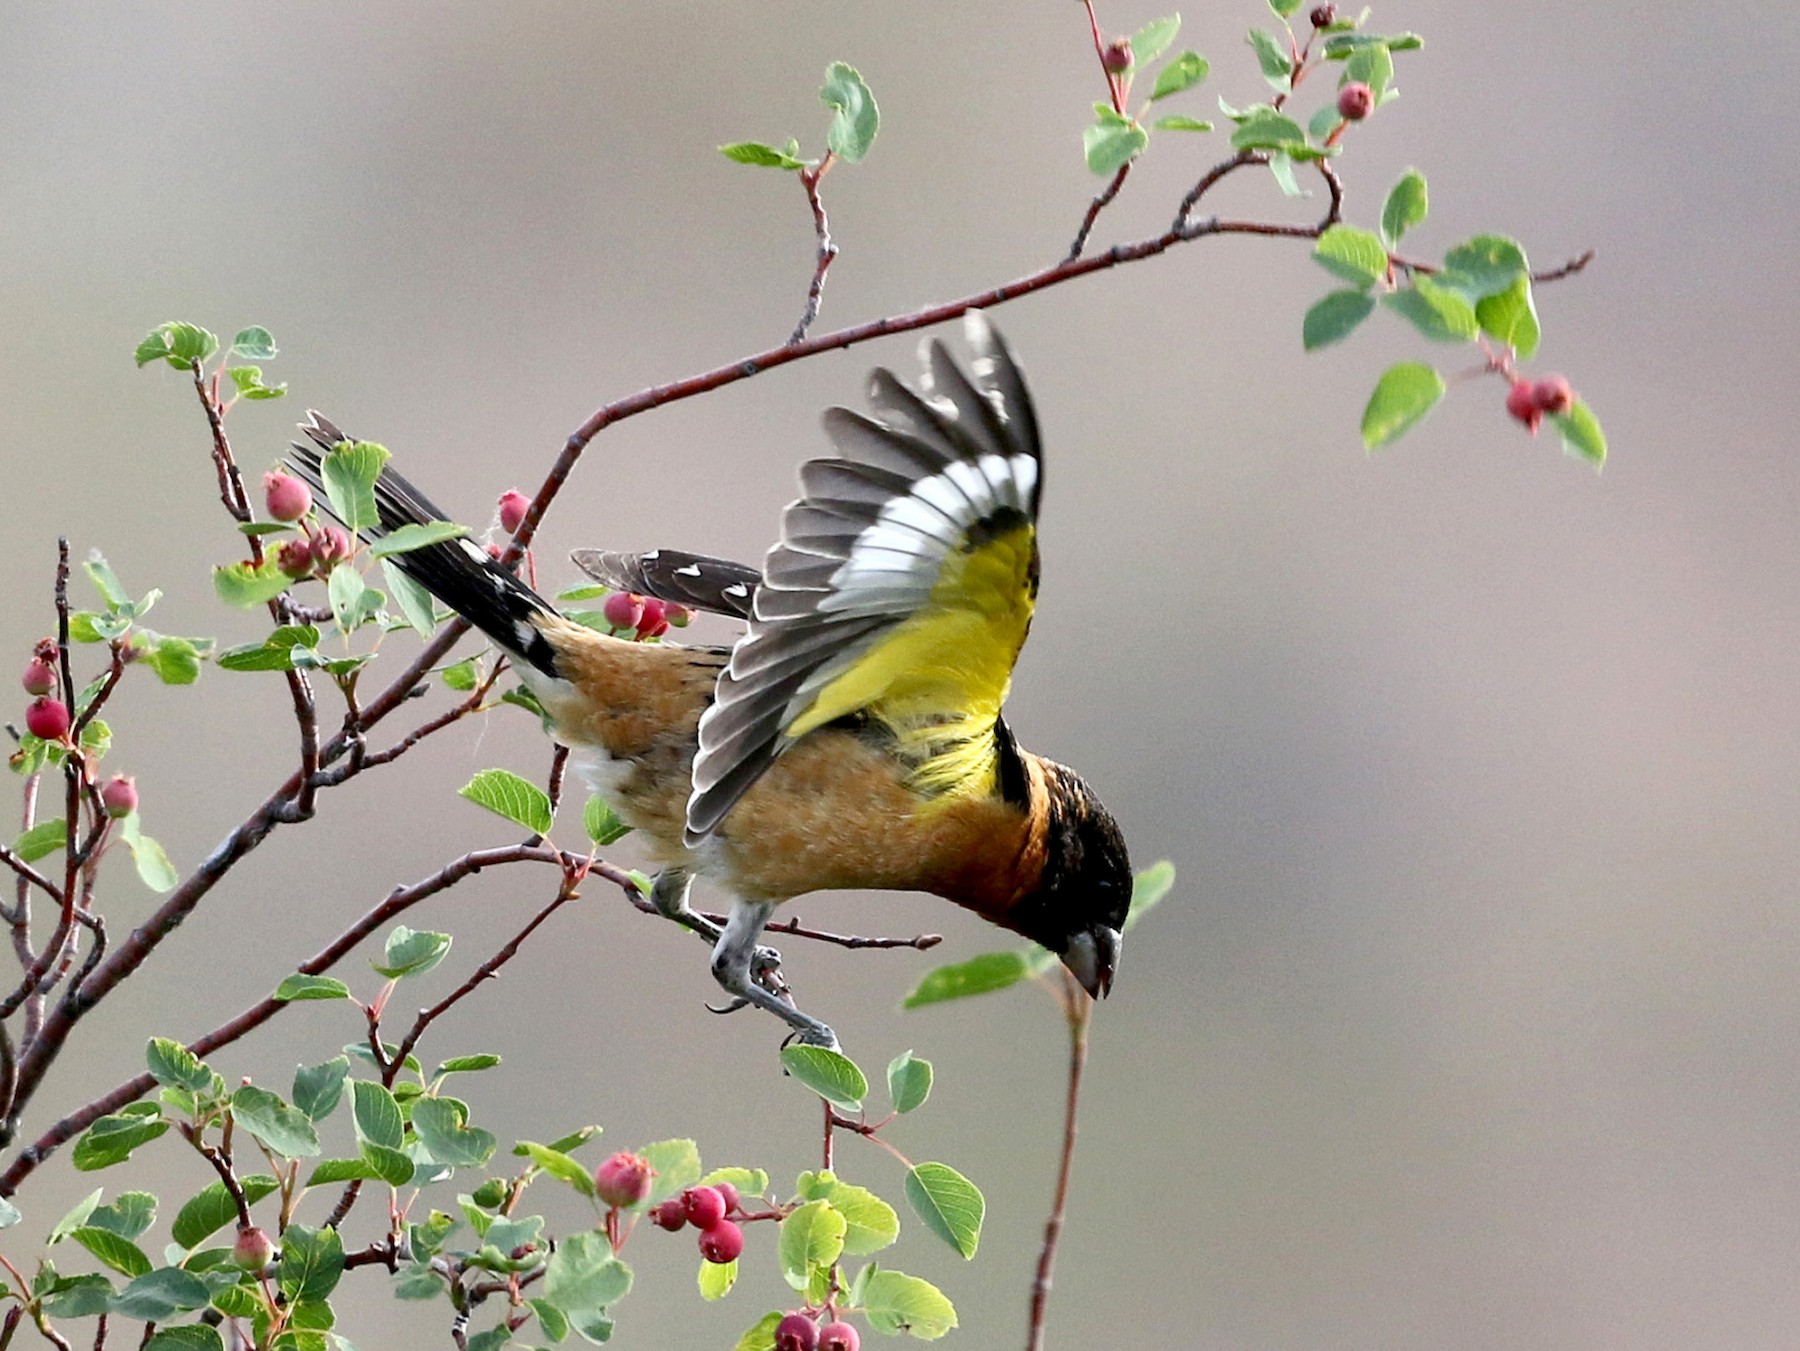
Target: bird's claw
[{"x": 730, "y": 1007}]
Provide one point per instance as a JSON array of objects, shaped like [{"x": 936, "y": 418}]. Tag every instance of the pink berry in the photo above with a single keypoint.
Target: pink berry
[
  {"x": 796, "y": 1332},
  {"x": 295, "y": 558},
  {"x": 704, "y": 1206},
  {"x": 678, "y": 615},
  {"x": 670, "y": 1215},
  {"x": 1552, "y": 395},
  {"x": 330, "y": 547},
  {"x": 623, "y": 1180},
  {"x": 1521, "y": 403},
  {"x": 1116, "y": 59},
  {"x": 119, "y": 797},
  {"x": 655, "y": 618},
  {"x": 47, "y": 719},
  {"x": 623, "y": 609},
  {"x": 1355, "y": 101},
  {"x": 729, "y": 1194},
  {"x": 513, "y": 505},
  {"x": 288, "y": 498},
  {"x": 253, "y": 1249},
  {"x": 39, "y": 678},
  {"x": 838, "y": 1336},
  {"x": 721, "y": 1243},
  {"x": 1323, "y": 16}
]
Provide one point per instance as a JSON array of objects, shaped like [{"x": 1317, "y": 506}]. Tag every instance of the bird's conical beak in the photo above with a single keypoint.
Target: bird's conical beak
[{"x": 1093, "y": 957}]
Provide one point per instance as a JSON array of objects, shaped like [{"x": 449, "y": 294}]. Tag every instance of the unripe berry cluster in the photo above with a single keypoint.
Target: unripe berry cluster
[
  {"x": 798, "y": 1332},
  {"x": 705, "y": 1208},
  {"x": 639, "y": 617},
  {"x": 1528, "y": 401}
]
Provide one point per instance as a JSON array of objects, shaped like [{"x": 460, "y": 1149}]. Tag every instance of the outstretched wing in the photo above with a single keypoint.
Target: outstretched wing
[{"x": 901, "y": 590}]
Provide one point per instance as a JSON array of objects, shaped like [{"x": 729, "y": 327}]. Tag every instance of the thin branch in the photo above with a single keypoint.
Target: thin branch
[
  {"x": 1095, "y": 207},
  {"x": 222, "y": 1166},
  {"x": 1080, "y": 1011},
  {"x": 28, "y": 874},
  {"x": 809, "y": 179},
  {"x": 1185, "y": 211},
  {"x": 793, "y": 927}
]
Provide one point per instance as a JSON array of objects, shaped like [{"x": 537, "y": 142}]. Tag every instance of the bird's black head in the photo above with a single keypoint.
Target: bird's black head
[{"x": 1084, "y": 894}]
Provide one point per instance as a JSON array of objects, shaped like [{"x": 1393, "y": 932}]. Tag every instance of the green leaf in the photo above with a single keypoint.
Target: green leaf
[
  {"x": 870, "y": 1223},
  {"x": 328, "y": 1172},
  {"x": 359, "y": 1050},
  {"x": 274, "y": 653},
  {"x": 1265, "y": 129},
  {"x": 506, "y": 794},
  {"x": 377, "y": 1114},
  {"x": 677, "y": 1165},
  {"x": 212, "y": 1208},
  {"x": 301, "y": 987},
  {"x": 161, "y": 1294},
  {"x": 186, "y": 1337},
  {"x": 411, "y": 953},
  {"x": 176, "y": 661},
  {"x": 1436, "y": 311},
  {"x": 833, "y": 1076},
  {"x": 319, "y": 1088},
  {"x": 950, "y": 1204},
  {"x": 748, "y": 1181},
  {"x": 558, "y": 1165},
  {"x": 1334, "y": 317},
  {"x": 1373, "y": 65},
  {"x": 153, "y": 347},
  {"x": 441, "y": 1129},
  {"x": 414, "y": 600},
  {"x": 1179, "y": 123},
  {"x": 9, "y": 1214},
  {"x": 583, "y": 1276},
  {"x": 255, "y": 343},
  {"x": 349, "y": 471},
  {"x": 909, "y": 1081},
  {"x": 312, "y": 1262},
  {"x": 415, "y": 536},
  {"x": 895, "y": 1302},
  {"x": 183, "y": 346},
  {"x": 1353, "y": 255},
  {"x": 761, "y": 1337},
  {"x": 467, "y": 1064},
  {"x": 1406, "y": 392},
  {"x": 1148, "y": 889},
  {"x": 46, "y": 837},
  {"x": 1581, "y": 434},
  {"x": 764, "y": 156},
  {"x": 246, "y": 586},
  {"x": 77, "y": 1217},
  {"x": 121, "y": 1254},
  {"x": 1153, "y": 39},
  {"x": 111, "y": 1139},
  {"x": 1111, "y": 143},
  {"x": 1276, "y": 60},
  {"x": 602, "y": 823},
  {"x": 1511, "y": 316},
  {"x": 855, "y": 118},
  {"x": 1183, "y": 71},
  {"x": 1404, "y": 208},
  {"x": 1339, "y": 46},
  {"x": 284, "y": 1129},
  {"x": 1284, "y": 9},
  {"x": 174, "y": 1066},
  {"x": 1484, "y": 266},
  {"x": 811, "y": 1237},
  {"x": 153, "y": 866},
  {"x": 353, "y": 601},
  {"x": 249, "y": 383},
  {"x": 106, "y": 581},
  {"x": 717, "y": 1278},
  {"x": 979, "y": 975},
  {"x": 128, "y": 1215}
]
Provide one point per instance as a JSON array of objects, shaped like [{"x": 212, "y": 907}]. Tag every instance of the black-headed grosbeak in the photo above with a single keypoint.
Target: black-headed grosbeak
[{"x": 852, "y": 737}]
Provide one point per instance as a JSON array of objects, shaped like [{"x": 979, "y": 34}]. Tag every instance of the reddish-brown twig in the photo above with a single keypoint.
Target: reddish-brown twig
[
  {"x": 810, "y": 179},
  {"x": 1079, "y": 1010}
]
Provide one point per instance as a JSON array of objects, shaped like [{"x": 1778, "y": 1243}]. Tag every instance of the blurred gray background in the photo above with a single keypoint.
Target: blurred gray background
[{"x": 1473, "y": 1020}]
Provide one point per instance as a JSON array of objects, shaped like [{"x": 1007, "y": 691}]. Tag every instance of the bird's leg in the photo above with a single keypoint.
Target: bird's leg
[
  {"x": 734, "y": 966},
  {"x": 669, "y": 894}
]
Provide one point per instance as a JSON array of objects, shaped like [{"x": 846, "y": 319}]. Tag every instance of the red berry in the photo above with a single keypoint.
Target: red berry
[
  {"x": 1552, "y": 395},
  {"x": 623, "y": 609},
  {"x": 655, "y": 618},
  {"x": 288, "y": 498},
  {"x": 1323, "y": 16},
  {"x": 1521, "y": 403},
  {"x": 1117, "y": 57},
  {"x": 722, "y": 1242},
  {"x": 678, "y": 615},
  {"x": 119, "y": 797},
  {"x": 513, "y": 505},
  {"x": 623, "y": 1180},
  {"x": 295, "y": 558},
  {"x": 330, "y": 547},
  {"x": 1355, "y": 101},
  {"x": 704, "y": 1206},
  {"x": 670, "y": 1215},
  {"x": 796, "y": 1332},
  {"x": 838, "y": 1336},
  {"x": 729, "y": 1194},
  {"x": 39, "y": 678},
  {"x": 253, "y": 1249},
  {"x": 47, "y": 719}
]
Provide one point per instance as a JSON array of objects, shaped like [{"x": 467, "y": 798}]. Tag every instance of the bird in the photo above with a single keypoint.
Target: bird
[{"x": 853, "y": 736}]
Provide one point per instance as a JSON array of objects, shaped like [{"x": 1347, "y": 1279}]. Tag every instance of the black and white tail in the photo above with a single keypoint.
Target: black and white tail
[
  {"x": 458, "y": 572},
  {"x": 694, "y": 580}
]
